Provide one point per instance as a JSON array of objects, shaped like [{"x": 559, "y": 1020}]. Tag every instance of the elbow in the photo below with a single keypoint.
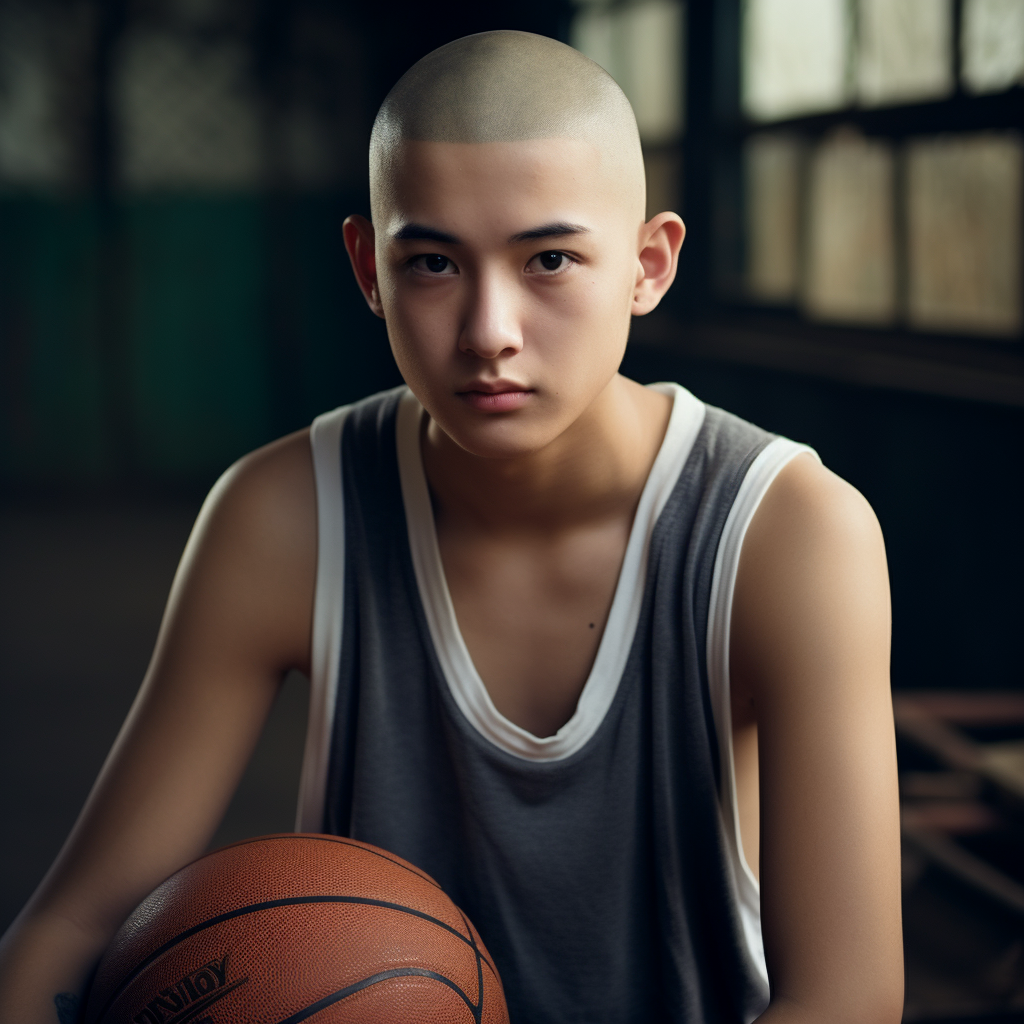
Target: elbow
[
  {"x": 884, "y": 1008},
  {"x": 871, "y": 1004}
]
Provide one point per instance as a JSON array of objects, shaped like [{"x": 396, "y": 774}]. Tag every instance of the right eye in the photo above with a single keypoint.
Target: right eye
[{"x": 434, "y": 264}]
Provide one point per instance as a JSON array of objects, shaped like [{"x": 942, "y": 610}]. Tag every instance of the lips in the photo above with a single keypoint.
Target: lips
[{"x": 496, "y": 396}]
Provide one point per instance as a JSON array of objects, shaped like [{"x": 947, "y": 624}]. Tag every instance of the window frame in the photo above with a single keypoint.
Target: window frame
[{"x": 709, "y": 299}]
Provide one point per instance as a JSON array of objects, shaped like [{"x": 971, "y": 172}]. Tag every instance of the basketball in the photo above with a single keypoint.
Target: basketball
[{"x": 293, "y": 927}]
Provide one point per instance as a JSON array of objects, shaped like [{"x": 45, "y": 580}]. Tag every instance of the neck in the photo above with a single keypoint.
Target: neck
[{"x": 594, "y": 470}]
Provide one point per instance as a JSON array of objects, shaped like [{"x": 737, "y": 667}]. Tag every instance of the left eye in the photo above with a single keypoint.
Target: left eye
[
  {"x": 549, "y": 261},
  {"x": 435, "y": 264}
]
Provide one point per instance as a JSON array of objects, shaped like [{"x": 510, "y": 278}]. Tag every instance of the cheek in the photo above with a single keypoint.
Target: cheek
[
  {"x": 415, "y": 320},
  {"x": 598, "y": 308},
  {"x": 610, "y": 287}
]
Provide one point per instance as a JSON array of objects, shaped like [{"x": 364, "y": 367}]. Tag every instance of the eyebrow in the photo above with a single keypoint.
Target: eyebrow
[
  {"x": 556, "y": 230},
  {"x": 423, "y": 233}
]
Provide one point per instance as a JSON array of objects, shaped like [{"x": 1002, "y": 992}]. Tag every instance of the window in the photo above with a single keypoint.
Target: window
[
  {"x": 868, "y": 198},
  {"x": 992, "y": 46},
  {"x": 794, "y": 57},
  {"x": 963, "y": 221}
]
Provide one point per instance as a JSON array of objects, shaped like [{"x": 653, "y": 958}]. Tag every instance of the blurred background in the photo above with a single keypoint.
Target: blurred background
[{"x": 174, "y": 292}]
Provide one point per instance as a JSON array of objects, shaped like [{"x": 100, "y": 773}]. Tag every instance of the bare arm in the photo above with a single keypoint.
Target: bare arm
[
  {"x": 238, "y": 617},
  {"x": 810, "y": 652}
]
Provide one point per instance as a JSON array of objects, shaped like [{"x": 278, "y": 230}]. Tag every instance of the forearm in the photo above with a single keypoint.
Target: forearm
[{"x": 45, "y": 964}]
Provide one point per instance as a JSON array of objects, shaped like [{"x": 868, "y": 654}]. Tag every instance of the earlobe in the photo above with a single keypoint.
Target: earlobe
[
  {"x": 360, "y": 243},
  {"x": 661, "y": 239}
]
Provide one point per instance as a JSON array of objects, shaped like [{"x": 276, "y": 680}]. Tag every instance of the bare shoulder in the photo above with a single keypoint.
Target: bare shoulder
[
  {"x": 812, "y": 582},
  {"x": 809, "y": 504},
  {"x": 250, "y": 563},
  {"x": 268, "y": 495},
  {"x": 811, "y": 521}
]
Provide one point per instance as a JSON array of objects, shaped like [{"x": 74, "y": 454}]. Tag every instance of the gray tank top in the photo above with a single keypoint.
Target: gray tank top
[{"x": 602, "y": 866}]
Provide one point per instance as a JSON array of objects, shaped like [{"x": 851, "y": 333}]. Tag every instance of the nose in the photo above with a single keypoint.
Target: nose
[{"x": 491, "y": 325}]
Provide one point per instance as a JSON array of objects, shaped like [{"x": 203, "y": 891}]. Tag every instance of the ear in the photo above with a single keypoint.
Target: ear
[
  {"x": 360, "y": 241},
  {"x": 661, "y": 238}
]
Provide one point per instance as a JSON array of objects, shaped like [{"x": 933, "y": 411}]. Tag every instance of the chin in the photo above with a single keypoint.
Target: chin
[{"x": 507, "y": 438}]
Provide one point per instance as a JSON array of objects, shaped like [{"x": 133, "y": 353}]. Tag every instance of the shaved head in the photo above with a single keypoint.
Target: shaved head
[{"x": 508, "y": 86}]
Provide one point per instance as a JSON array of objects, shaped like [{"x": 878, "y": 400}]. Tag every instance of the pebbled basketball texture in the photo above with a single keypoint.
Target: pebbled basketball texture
[{"x": 295, "y": 927}]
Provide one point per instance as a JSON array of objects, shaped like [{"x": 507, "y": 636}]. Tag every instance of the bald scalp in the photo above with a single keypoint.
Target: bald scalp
[{"x": 507, "y": 86}]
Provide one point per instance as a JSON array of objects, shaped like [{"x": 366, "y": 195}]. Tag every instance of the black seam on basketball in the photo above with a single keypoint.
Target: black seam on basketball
[
  {"x": 478, "y": 1009},
  {"x": 397, "y": 972},
  {"x": 344, "y": 841},
  {"x": 253, "y": 908}
]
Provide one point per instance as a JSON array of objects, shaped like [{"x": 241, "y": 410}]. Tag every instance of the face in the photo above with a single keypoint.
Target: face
[{"x": 506, "y": 273}]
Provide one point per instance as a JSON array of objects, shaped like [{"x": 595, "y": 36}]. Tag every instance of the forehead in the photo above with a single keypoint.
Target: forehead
[{"x": 500, "y": 185}]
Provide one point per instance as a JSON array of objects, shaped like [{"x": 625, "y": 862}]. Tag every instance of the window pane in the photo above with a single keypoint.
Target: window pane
[
  {"x": 964, "y": 238},
  {"x": 992, "y": 44},
  {"x": 593, "y": 33},
  {"x": 652, "y": 36},
  {"x": 905, "y": 50},
  {"x": 850, "y": 234},
  {"x": 772, "y": 171},
  {"x": 188, "y": 115},
  {"x": 795, "y": 57},
  {"x": 641, "y": 47},
  {"x": 33, "y": 149}
]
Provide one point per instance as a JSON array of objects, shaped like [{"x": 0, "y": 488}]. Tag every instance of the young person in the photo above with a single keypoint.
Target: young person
[{"x": 594, "y": 655}]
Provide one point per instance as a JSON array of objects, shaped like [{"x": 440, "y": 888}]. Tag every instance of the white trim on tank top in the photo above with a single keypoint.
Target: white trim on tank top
[
  {"x": 759, "y": 477},
  {"x": 464, "y": 682},
  {"x": 328, "y": 617}
]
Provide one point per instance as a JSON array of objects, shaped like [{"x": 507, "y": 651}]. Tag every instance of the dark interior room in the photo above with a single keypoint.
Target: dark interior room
[{"x": 175, "y": 292}]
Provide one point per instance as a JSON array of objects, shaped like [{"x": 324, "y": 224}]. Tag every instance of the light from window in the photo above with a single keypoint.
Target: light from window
[
  {"x": 795, "y": 57},
  {"x": 904, "y": 50},
  {"x": 593, "y": 33},
  {"x": 653, "y": 38},
  {"x": 850, "y": 244},
  {"x": 188, "y": 113},
  {"x": 963, "y": 232},
  {"x": 33, "y": 148},
  {"x": 772, "y": 165},
  {"x": 641, "y": 47},
  {"x": 992, "y": 44}
]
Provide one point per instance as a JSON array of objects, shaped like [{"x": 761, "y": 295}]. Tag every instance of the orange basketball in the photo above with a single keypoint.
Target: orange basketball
[{"x": 288, "y": 928}]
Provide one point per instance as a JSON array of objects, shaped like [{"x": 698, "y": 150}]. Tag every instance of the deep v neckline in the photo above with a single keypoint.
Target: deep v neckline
[{"x": 464, "y": 682}]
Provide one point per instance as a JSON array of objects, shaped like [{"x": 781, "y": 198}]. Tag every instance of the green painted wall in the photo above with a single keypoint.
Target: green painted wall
[
  {"x": 51, "y": 404},
  {"x": 163, "y": 342},
  {"x": 198, "y": 346}
]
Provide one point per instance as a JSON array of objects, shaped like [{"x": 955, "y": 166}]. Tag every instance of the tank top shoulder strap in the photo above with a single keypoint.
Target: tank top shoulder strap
[
  {"x": 371, "y": 418},
  {"x": 773, "y": 456},
  {"x": 328, "y": 606}
]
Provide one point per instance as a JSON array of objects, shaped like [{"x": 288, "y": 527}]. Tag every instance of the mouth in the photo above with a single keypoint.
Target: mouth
[{"x": 496, "y": 395}]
